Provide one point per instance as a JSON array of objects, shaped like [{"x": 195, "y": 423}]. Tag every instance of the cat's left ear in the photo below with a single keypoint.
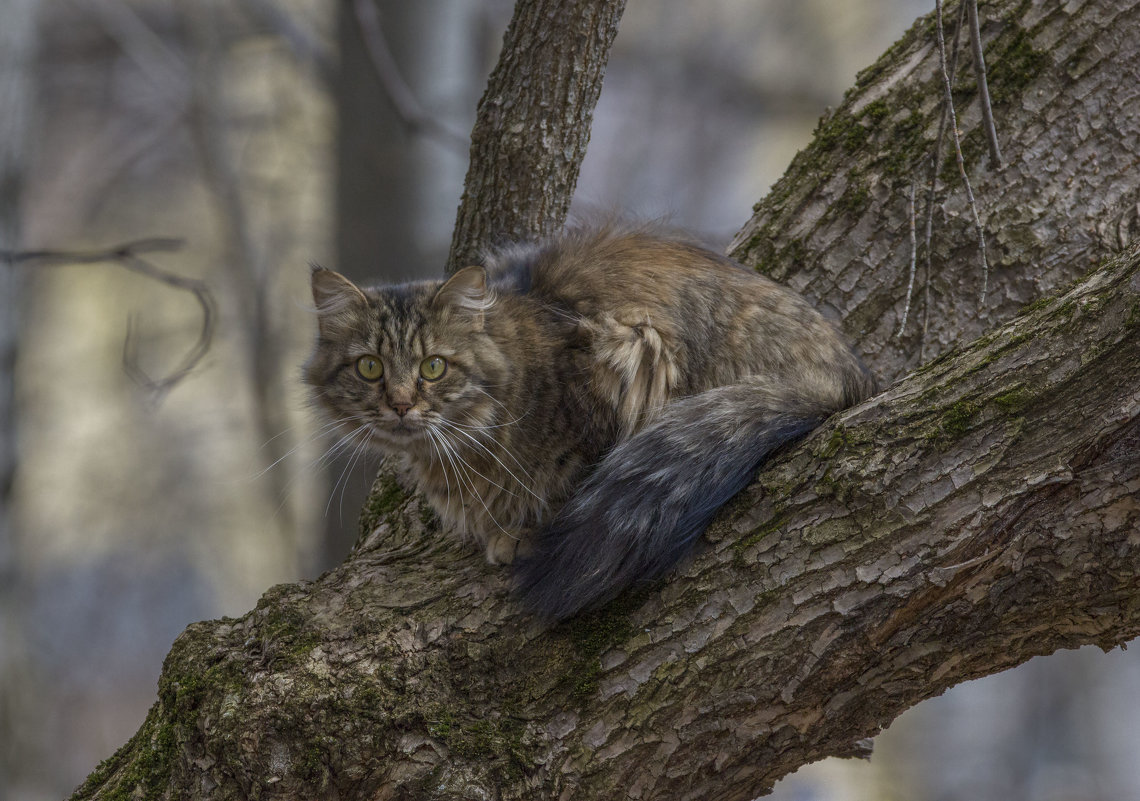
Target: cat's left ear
[{"x": 465, "y": 293}]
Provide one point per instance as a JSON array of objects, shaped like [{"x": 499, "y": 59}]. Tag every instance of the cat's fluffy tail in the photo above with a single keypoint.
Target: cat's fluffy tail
[{"x": 651, "y": 497}]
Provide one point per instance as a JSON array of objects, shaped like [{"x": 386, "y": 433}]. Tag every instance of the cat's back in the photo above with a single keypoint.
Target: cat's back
[
  {"x": 657, "y": 316},
  {"x": 592, "y": 270},
  {"x": 646, "y": 279}
]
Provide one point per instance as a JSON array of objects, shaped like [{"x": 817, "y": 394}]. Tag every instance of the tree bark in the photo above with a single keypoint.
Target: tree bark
[
  {"x": 1064, "y": 79},
  {"x": 981, "y": 511},
  {"x": 533, "y": 123}
]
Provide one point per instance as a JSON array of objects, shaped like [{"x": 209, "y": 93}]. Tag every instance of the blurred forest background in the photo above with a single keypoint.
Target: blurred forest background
[{"x": 273, "y": 133}]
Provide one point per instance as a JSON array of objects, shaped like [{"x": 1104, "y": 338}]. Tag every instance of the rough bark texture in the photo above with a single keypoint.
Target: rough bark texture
[
  {"x": 534, "y": 123},
  {"x": 981, "y": 511},
  {"x": 1065, "y": 81}
]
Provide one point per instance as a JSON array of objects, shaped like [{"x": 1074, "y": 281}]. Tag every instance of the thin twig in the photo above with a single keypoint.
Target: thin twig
[
  {"x": 913, "y": 258},
  {"x": 983, "y": 86},
  {"x": 958, "y": 153},
  {"x": 935, "y": 164},
  {"x": 129, "y": 257},
  {"x": 404, "y": 101},
  {"x": 135, "y": 247}
]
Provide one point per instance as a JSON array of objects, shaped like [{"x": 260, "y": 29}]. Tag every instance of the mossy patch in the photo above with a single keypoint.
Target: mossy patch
[
  {"x": 148, "y": 757},
  {"x": 774, "y": 524},
  {"x": 385, "y": 498},
  {"x": 591, "y": 634},
  {"x": 496, "y": 743},
  {"x": 1011, "y": 64},
  {"x": 856, "y": 197},
  {"x": 1133, "y": 318},
  {"x": 1014, "y": 401},
  {"x": 959, "y": 418}
]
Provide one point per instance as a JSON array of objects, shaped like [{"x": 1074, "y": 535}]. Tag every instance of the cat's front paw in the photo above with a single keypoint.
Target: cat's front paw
[{"x": 504, "y": 548}]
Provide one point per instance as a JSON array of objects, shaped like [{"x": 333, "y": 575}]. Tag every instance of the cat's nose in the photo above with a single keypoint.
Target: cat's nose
[{"x": 400, "y": 408}]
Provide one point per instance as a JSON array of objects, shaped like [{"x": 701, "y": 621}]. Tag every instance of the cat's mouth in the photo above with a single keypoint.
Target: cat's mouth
[{"x": 399, "y": 428}]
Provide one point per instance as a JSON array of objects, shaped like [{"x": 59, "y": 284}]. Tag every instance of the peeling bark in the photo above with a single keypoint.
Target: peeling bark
[{"x": 983, "y": 510}]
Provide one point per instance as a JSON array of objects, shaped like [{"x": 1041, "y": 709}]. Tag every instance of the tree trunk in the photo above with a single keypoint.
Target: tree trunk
[
  {"x": 533, "y": 123},
  {"x": 981, "y": 511}
]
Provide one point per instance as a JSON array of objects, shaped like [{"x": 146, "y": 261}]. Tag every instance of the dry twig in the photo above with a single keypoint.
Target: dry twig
[
  {"x": 129, "y": 256},
  {"x": 935, "y": 161},
  {"x": 983, "y": 86},
  {"x": 913, "y": 258}
]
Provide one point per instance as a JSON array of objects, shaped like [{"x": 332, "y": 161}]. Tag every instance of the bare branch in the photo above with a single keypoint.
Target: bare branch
[
  {"x": 404, "y": 101},
  {"x": 129, "y": 256},
  {"x": 983, "y": 85}
]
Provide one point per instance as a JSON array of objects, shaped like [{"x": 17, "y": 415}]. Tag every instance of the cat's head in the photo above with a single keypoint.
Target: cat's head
[{"x": 393, "y": 362}]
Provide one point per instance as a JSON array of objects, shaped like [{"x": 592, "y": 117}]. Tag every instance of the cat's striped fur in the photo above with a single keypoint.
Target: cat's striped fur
[{"x": 606, "y": 391}]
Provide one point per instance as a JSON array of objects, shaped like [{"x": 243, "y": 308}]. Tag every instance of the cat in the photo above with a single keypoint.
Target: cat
[{"x": 582, "y": 405}]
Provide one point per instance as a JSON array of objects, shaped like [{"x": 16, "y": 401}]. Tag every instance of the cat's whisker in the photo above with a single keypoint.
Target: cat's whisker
[
  {"x": 297, "y": 474},
  {"x": 442, "y": 466},
  {"x": 506, "y": 450},
  {"x": 361, "y": 451},
  {"x": 465, "y": 466},
  {"x": 359, "y": 448},
  {"x": 442, "y": 441},
  {"x": 339, "y": 446},
  {"x": 470, "y": 466},
  {"x": 429, "y": 435},
  {"x": 313, "y": 437},
  {"x": 491, "y": 397},
  {"x": 489, "y": 452}
]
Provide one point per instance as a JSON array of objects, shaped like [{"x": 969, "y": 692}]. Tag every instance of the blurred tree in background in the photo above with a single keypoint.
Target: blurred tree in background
[{"x": 271, "y": 134}]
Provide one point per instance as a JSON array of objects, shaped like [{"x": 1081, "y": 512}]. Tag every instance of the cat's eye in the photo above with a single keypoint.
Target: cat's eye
[
  {"x": 370, "y": 368},
  {"x": 433, "y": 367}
]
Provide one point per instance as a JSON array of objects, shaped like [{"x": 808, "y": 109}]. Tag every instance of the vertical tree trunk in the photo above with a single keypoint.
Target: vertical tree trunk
[{"x": 534, "y": 123}]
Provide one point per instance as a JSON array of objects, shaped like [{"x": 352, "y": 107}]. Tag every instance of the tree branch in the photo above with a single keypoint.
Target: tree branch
[
  {"x": 129, "y": 257},
  {"x": 833, "y": 230}
]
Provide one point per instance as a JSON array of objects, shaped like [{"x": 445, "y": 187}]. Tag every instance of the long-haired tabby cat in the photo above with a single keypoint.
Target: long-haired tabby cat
[{"x": 586, "y": 403}]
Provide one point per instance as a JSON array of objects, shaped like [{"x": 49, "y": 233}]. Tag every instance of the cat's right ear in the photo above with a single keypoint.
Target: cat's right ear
[
  {"x": 466, "y": 293},
  {"x": 334, "y": 295}
]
